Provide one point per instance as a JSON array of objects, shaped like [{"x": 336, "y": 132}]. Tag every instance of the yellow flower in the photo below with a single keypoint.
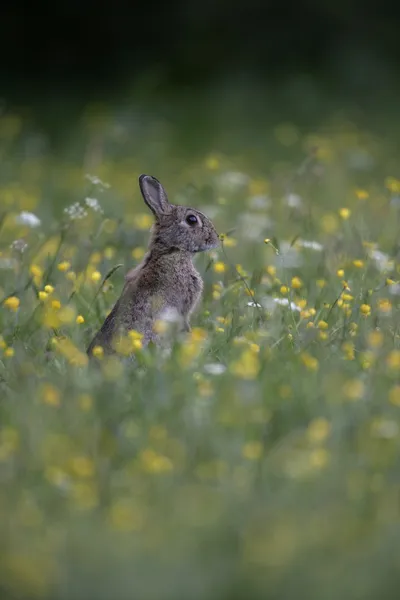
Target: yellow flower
[
  {"x": 42, "y": 296},
  {"x": 384, "y": 306},
  {"x": 252, "y": 450},
  {"x": 12, "y": 303},
  {"x": 297, "y": 283},
  {"x": 64, "y": 266},
  {"x": 393, "y": 360},
  {"x": 321, "y": 283},
  {"x": 125, "y": 516},
  {"x": 82, "y": 466},
  {"x": 345, "y": 213},
  {"x": 340, "y": 273},
  {"x": 109, "y": 252},
  {"x": 36, "y": 271},
  {"x": 392, "y": 184},
  {"x": 319, "y": 458},
  {"x": 138, "y": 253},
  {"x": 347, "y": 297},
  {"x": 219, "y": 267},
  {"x": 284, "y": 290},
  {"x": 394, "y": 395},
  {"x": 98, "y": 352},
  {"x": 80, "y": 320},
  {"x": 329, "y": 223},
  {"x": 9, "y": 352},
  {"x": 309, "y": 361},
  {"x": 49, "y": 289},
  {"x": 353, "y": 389},
  {"x": 152, "y": 462},
  {"x": 271, "y": 270},
  {"x": 318, "y": 430},
  {"x": 50, "y": 395},
  {"x": 71, "y": 276},
  {"x": 323, "y": 335},
  {"x": 365, "y": 310},
  {"x": 361, "y": 194},
  {"x": 143, "y": 221},
  {"x": 358, "y": 263},
  {"x": 96, "y": 276},
  {"x": 322, "y": 325},
  {"x": 348, "y": 350},
  {"x": 248, "y": 366},
  {"x": 212, "y": 162}
]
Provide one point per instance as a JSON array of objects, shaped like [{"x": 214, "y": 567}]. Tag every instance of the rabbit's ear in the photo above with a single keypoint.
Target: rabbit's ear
[{"x": 154, "y": 195}]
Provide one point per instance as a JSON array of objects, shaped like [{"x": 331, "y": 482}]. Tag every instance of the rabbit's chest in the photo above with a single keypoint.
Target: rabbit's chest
[{"x": 187, "y": 292}]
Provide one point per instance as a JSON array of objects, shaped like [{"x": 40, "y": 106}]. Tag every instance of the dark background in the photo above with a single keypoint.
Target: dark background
[
  {"x": 58, "y": 56},
  {"x": 92, "y": 45}
]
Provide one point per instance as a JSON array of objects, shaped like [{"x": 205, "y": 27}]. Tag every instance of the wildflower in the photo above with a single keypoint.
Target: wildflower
[
  {"x": 321, "y": 283},
  {"x": 19, "y": 246},
  {"x": 212, "y": 163},
  {"x": 294, "y": 200},
  {"x": 309, "y": 361},
  {"x": 329, "y": 223},
  {"x": 365, "y": 310},
  {"x": 138, "y": 253},
  {"x": 340, "y": 273},
  {"x": 64, "y": 266},
  {"x": 42, "y": 296},
  {"x": 311, "y": 245},
  {"x": 50, "y": 395},
  {"x": 9, "y": 352},
  {"x": 37, "y": 273},
  {"x": 361, "y": 194},
  {"x": 95, "y": 276},
  {"x": 219, "y": 267},
  {"x": 79, "y": 320},
  {"x": 98, "y": 352},
  {"x": 384, "y": 306},
  {"x": 323, "y": 335},
  {"x": 271, "y": 270},
  {"x": 319, "y": 458},
  {"x": 345, "y": 213},
  {"x": 297, "y": 283},
  {"x": 55, "y": 304},
  {"x": 214, "y": 368},
  {"x": 318, "y": 430},
  {"x": 284, "y": 290},
  {"x": 252, "y": 450},
  {"x": 82, "y": 466},
  {"x": 393, "y": 360},
  {"x": 48, "y": 289},
  {"x": 125, "y": 516},
  {"x": 94, "y": 204},
  {"x": 322, "y": 325},
  {"x": 29, "y": 219},
  {"x": 109, "y": 252},
  {"x": 96, "y": 181},
  {"x": 347, "y": 297},
  {"x": 248, "y": 365},
  {"x": 143, "y": 221},
  {"x": 12, "y": 303},
  {"x": 358, "y": 263},
  {"x": 394, "y": 395},
  {"x": 348, "y": 350},
  {"x": 285, "y": 302},
  {"x": 76, "y": 211},
  {"x": 353, "y": 389},
  {"x": 152, "y": 462}
]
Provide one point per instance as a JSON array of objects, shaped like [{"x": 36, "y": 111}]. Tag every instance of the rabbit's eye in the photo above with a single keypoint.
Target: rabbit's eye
[{"x": 191, "y": 220}]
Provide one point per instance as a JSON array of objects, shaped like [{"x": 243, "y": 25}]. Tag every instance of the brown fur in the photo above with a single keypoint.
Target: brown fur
[{"x": 166, "y": 278}]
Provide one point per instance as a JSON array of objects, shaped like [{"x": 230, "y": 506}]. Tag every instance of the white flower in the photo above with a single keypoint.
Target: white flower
[
  {"x": 96, "y": 181},
  {"x": 382, "y": 261},
  {"x": 233, "y": 179},
  {"x": 215, "y": 368},
  {"x": 289, "y": 257},
  {"x": 259, "y": 201},
  {"x": 94, "y": 204},
  {"x": 254, "y": 304},
  {"x": 252, "y": 225},
  {"x": 76, "y": 211},
  {"x": 395, "y": 289},
  {"x": 19, "y": 245},
  {"x": 28, "y": 218},
  {"x": 8, "y": 263},
  {"x": 294, "y": 201},
  {"x": 311, "y": 245},
  {"x": 271, "y": 303}
]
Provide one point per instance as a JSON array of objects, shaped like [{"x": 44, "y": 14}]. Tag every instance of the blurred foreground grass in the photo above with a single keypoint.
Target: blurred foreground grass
[{"x": 261, "y": 459}]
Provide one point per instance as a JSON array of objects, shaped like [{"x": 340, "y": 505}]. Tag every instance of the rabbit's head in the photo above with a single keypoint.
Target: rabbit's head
[{"x": 177, "y": 227}]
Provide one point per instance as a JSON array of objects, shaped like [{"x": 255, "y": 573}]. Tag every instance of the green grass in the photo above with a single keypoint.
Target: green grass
[{"x": 260, "y": 459}]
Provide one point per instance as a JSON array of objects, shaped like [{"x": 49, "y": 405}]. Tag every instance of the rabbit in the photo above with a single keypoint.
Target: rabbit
[{"x": 166, "y": 280}]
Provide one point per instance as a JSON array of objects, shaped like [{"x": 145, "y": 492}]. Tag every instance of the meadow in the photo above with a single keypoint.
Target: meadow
[{"x": 261, "y": 457}]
